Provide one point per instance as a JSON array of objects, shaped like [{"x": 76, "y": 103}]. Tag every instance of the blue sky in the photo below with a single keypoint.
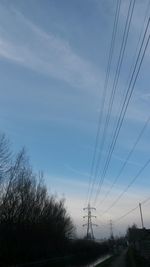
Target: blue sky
[{"x": 53, "y": 57}]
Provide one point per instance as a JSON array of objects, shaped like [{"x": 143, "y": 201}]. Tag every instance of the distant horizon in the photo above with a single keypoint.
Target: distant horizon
[{"x": 53, "y": 70}]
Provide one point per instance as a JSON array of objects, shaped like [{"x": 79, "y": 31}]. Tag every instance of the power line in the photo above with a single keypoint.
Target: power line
[
  {"x": 146, "y": 122},
  {"x": 129, "y": 155},
  {"x": 119, "y": 64},
  {"x": 127, "y": 213},
  {"x": 116, "y": 78},
  {"x": 128, "y": 95},
  {"x": 112, "y": 44},
  {"x": 129, "y": 185},
  {"x": 127, "y": 159},
  {"x": 132, "y": 210}
]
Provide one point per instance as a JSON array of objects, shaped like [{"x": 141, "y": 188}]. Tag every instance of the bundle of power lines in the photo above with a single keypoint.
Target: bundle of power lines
[{"x": 97, "y": 177}]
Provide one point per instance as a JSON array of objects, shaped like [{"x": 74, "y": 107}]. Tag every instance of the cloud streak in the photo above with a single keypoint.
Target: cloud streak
[{"x": 44, "y": 52}]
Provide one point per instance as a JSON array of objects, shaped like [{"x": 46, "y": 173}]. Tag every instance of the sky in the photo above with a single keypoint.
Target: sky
[{"x": 53, "y": 60}]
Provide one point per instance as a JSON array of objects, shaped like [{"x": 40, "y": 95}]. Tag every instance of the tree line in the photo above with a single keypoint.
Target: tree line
[{"x": 33, "y": 224}]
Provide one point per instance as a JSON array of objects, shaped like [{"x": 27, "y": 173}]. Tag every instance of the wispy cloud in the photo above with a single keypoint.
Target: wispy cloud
[
  {"x": 27, "y": 44},
  {"x": 80, "y": 173},
  {"x": 44, "y": 52}
]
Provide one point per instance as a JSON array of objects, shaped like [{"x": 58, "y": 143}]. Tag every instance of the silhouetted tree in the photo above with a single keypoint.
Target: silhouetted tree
[
  {"x": 4, "y": 156},
  {"x": 32, "y": 224},
  {"x": 132, "y": 233}
]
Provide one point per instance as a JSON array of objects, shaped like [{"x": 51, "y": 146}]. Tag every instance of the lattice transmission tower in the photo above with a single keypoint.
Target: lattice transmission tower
[
  {"x": 111, "y": 229},
  {"x": 89, "y": 224}
]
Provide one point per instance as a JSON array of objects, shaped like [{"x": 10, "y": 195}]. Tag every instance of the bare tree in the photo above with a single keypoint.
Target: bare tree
[
  {"x": 31, "y": 219},
  {"x": 5, "y": 156}
]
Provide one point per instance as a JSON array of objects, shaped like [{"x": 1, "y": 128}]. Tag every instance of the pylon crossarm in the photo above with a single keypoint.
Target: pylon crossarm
[{"x": 89, "y": 208}]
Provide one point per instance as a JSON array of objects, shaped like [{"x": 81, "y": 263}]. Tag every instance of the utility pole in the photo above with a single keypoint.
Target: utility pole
[
  {"x": 141, "y": 215},
  {"x": 111, "y": 230},
  {"x": 89, "y": 224}
]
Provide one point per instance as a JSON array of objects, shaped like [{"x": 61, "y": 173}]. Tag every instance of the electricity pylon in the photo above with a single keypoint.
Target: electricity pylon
[
  {"x": 89, "y": 224},
  {"x": 111, "y": 230}
]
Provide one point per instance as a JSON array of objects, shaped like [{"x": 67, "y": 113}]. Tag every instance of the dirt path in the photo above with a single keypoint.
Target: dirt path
[{"x": 120, "y": 261}]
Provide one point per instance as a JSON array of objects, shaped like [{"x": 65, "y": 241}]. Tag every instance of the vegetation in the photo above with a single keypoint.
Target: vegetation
[
  {"x": 86, "y": 250},
  {"x": 136, "y": 238},
  {"x": 33, "y": 225},
  {"x": 133, "y": 259}
]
